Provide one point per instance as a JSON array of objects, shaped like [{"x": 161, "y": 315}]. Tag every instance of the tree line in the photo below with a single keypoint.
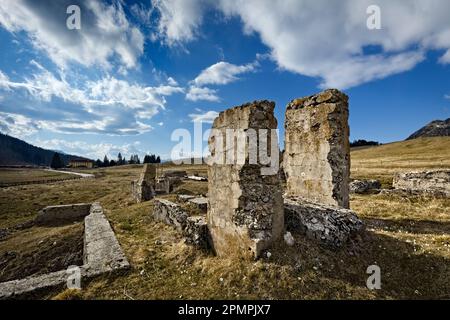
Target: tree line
[{"x": 134, "y": 159}]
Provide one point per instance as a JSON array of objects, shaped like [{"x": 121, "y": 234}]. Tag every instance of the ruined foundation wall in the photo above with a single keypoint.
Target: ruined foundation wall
[
  {"x": 144, "y": 188},
  {"x": 433, "y": 181},
  {"x": 56, "y": 214},
  {"x": 245, "y": 213},
  {"x": 317, "y": 149}
]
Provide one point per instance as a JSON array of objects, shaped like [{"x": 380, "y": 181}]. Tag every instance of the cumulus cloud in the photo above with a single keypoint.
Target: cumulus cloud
[
  {"x": 206, "y": 117},
  {"x": 328, "y": 40},
  {"x": 222, "y": 73},
  {"x": 202, "y": 93},
  {"x": 105, "y": 31},
  {"x": 108, "y": 105}
]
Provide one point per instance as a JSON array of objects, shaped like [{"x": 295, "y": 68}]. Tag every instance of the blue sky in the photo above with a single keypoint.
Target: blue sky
[{"x": 136, "y": 71}]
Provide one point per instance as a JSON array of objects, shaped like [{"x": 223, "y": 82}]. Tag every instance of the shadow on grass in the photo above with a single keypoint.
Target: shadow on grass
[
  {"x": 406, "y": 271},
  {"x": 410, "y": 225}
]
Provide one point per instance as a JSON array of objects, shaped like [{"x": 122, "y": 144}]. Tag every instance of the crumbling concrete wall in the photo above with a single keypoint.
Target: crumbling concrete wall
[
  {"x": 170, "y": 213},
  {"x": 144, "y": 188},
  {"x": 101, "y": 254},
  {"x": 62, "y": 213},
  {"x": 193, "y": 228},
  {"x": 432, "y": 181},
  {"x": 245, "y": 213},
  {"x": 317, "y": 148},
  {"x": 330, "y": 226},
  {"x": 365, "y": 186}
]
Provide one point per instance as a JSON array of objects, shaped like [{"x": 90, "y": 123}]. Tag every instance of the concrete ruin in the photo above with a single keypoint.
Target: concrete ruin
[
  {"x": 63, "y": 213},
  {"x": 245, "y": 213},
  {"x": 434, "y": 182},
  {"x": 167, "y": 180},
  {"x": 317, "y": 148},
  {"x": 144, "y": 188},
  {"x": 365, "y": 186},
  {"x": 328, "y": 225},
  {"x": 193, "y": 228},
  {"x": 101, "y": 254},
  {"x": 317, "y": 169}
]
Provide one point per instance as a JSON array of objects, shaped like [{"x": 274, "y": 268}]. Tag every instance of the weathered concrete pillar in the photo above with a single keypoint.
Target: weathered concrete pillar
[
  {"x": 317, "y": 148},
  {"x": 245, "y": 212},
  {"x": 144, "y": 188}
]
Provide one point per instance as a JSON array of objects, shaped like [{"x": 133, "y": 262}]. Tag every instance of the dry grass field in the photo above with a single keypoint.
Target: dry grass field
[
  {"x": 383, "y": 161},
  {"x": 13, "y": 176},
  {"x": 409, "y": 238}
]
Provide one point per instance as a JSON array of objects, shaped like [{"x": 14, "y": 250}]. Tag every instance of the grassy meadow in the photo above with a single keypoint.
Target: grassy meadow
[{"x": 409, "y": 238}]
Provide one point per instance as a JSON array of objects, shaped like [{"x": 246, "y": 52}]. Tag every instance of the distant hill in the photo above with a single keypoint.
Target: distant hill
[
  {"x": 437, "y": 128},
  {"x": 18, "y": 152}
]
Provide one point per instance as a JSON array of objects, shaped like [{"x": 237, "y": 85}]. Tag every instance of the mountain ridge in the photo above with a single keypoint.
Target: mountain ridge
[
  {"x": 436, "y": 128},
  {"x": 15, "y": 151}
]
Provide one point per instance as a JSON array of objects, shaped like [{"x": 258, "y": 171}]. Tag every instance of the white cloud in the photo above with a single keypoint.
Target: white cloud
[
  {"x": 108, "y": 105},
  {"x": 179, "y": 19},
  {"x": 222, "y": 73},
  {"x": 17, "y": 125},
  {"x": 207, "y": 117},
  {"x": 328, "y": 40},
  {"x": 447, "y": 96},
  {"x": 92, "y": 151},
  {"x": 204, "y": 93},
  {"x": 105, "y": 31}
]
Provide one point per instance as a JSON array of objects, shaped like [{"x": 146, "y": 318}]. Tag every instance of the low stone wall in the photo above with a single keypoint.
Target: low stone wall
[
  {"x": 329, "y": 225},
  {"x": 193, "y": 228},
  {"x": 102, "y": 253},
  {"x": 57, "y": 214},
  {"x": 170, "y": 213},
  {"x": 196, "y": 231},
  {"x": 365, "y": 186},
  {"x": 200, "y": 202},
  {"x": 433, "y": 181}
]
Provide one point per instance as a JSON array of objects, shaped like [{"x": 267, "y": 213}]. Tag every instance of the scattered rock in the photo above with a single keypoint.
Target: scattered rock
[
  {"x": 365, "y": 186},
  {"x": 200, "y": 202},
  {"x": 431, "y": 182},
  {"x": 289, "y": 239}
]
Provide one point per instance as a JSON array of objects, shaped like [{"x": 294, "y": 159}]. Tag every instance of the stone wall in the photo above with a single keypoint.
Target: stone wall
[
  {"x": 62, "y": 213},
  {"x": 432, "y": 182},
  {"x": 101, "y": 254},
  {"x": 317, "y": 148},
  {"x": 144, "y": 188},
  {"x": 193, "y": 228},
  {"x": 328, "y": 225},
  {"x": 170, "y": 213},
  {"x": 245, "y": 213},
  {"x": 365, "y": 186}
]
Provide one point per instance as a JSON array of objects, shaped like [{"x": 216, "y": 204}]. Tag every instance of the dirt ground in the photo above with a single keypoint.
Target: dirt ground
[{"x": 40, "y": 250}]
